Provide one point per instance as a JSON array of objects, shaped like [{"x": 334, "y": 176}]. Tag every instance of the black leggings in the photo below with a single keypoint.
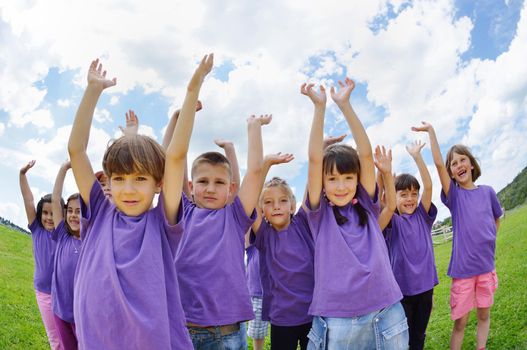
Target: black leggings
[
  {"x": 288, "y": 338},
  {"x": 418, "y": 309}
]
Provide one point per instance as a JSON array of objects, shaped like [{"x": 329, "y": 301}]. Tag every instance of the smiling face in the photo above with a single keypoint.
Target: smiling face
[
  {"x": 47, "y": 217},
  {"x": 340, "y": 188},
  {"x": 133, "y": 193},
  {"x": 211, "y": 185},
  {"x": 407, "y": 200},
  {"x": 73, "y": 215},
  {"x": 105, "y": 184},
  {"x": 461, "y": 170},
  {"x": 277, "y": 206}
]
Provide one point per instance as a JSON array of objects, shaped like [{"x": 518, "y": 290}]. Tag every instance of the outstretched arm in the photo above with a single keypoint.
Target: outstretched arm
[
  {"x": 166, "y": 141},
  {"x": 230, "y": 154},
  {"x": 80, "y": 131},
  {"x": 316, "y": 143},
  {"x": 436, "y": 153},
  {"x": 176, "y": 152},
  {"x": 132, "y": 124},
  {"x": 367, "y": 168},
  {"x": 252, "y": 181},
  {"x": 27, "y": 195},
  {"x": 269, "y": 161},
  {"x": 383, "y": 162},
  {"x": 56, "y": 203},
  {"x": 415, "y": 151}
]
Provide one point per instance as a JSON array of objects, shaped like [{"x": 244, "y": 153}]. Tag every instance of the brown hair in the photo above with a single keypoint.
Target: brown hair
[
  {"x": 279, "y": 182},
  {"x": 465, "y": 151},
  {"x": 345, "y": 160},
  {"x": 212, "y": 158},
  {"x": 135, "y": 154},
  {"x": 406, "y": 182}
]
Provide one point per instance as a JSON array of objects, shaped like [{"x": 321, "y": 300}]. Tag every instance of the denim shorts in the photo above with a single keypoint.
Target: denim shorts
[
  {"x": 204, "y": 339},
  {"x": 385, "y": 329}
]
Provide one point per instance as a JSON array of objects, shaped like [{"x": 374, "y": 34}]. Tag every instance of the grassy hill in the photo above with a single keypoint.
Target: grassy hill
[
  {"x": 515, "y": 193},
  {"x": 21, "y": 327}
]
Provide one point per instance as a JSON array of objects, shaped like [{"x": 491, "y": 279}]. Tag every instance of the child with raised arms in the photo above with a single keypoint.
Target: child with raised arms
[
  {"x": 410, "y": 246},
  {"x": 286, "y": 251},
  {"x": 126, "y": 293},
  {"x": 210, "y": 257},
  {"x": 356, "y": 298},
  {"x": 476, "y": 213},
  {"x": 40, "y": 223},
  {"x": 67, "y": 237}
]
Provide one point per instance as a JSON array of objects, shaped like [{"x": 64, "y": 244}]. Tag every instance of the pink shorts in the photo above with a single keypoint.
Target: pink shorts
[{"x": 468, "y": 293}]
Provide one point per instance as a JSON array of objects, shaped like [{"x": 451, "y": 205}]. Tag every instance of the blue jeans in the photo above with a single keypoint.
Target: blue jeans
[
  {"x": 385, "y": 329},
  {"x": 203, "y": 339}
]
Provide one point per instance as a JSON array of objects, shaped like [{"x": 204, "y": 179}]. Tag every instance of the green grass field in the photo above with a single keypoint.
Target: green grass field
[{"x": 21, "y": 327}]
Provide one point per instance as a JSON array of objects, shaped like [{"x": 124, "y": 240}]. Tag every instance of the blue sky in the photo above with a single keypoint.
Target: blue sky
[{"x": 458, "y": 64}]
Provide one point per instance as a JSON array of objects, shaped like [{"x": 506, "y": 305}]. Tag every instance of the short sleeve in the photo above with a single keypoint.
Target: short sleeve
[
  {"x": 429, "y": 216},
  {"x": 34, "y": 225},
  {"x": 260, "y": 236},
  {"x": 173, "y": 232},
  {"x": 241, "y": 217},
  {"x": 372, "y": 205},
  {"x": 452, "y": 194},
  {"x": 495, "y": 202},
  {"x": 59, "y": 231},
  {"x": 314, "y": 217},
  {"x": 91, "y": 210}
]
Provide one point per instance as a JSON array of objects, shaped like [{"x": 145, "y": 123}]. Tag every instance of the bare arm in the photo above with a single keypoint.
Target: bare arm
[
  {"x": 367, "y": 167},
  {"x": 166, "y": 141},
  {"x": 316, "y": 143},
  {"x": 436, "y": 154},
  {"x": 230, "y": 154},
  {"x": 415, "y": 151},
  {"x": 80, "y": 131},
  {"x": 176, "y": 152},
  {"x": 56, "y": 205},
  {"x": 269, "y": 160},
  {"x": 383, "y": 162},
  {"x": 252, "y": 181},
  {"x": 27, "y": 195}
]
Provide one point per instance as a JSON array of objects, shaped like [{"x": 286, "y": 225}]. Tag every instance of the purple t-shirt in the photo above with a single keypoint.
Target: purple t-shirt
[
  {"x": 253, "y": 272},
  {"x": 126, "y": 292},
  {"x": 66, "y": 256},
  {"x": 411, "y": 250},
  {"x": 288, "y": 259},
  {"x": 211, "y": 267},
  {"x": 353, "y": 276},
  {"x": 43, "y": 252},
  {"x": 474, "y": 213}
]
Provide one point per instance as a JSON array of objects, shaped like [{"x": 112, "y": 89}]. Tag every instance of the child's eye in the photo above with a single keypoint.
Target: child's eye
[
  {"x": 202, "y": 181},
  {"x": 117, "y": 178},
  {"x": 141, "y": 178},
  {"x": 220, "y": 182},
  {"x": 284, "y": 200}
]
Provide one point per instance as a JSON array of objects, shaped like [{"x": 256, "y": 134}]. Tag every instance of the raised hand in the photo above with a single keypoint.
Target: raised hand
[
  {"x": 132, "y": 124},
  {"x": 383, "y": 159},
  {"x": 343, "y": 94},
  {"x": 278, "y": 158},
  {"x": 263, "y": 119},
  {"x": 415, "y": 148},
  {"x": 96, "y": 76},
  {"x": 425, "y": 126},
  {"x": 26, "y": 167},
  {"x": 318, "y": 98},
  {"x": 222, "y": 143},
  {"x": 330, "y": 140},
  {"x": 204, "y": 68}
]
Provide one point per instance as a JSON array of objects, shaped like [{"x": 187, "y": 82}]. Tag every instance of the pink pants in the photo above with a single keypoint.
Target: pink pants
[
  {"x": 68, "y": 339},
  {"x": 44, "y": 305}
]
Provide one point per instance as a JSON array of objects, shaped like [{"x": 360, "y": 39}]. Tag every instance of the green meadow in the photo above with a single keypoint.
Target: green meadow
[{"x": 21, "y": 327}]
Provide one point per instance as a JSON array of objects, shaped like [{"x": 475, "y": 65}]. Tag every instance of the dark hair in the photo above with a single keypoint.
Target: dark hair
[
  {"x": 40, "y": 205},
  {"x": 135, "y": 154},
  {"x": 70, "y": 198},
  {"x": 345, "y": 160},
  {"x": 406, "y": 182},
  {"x": 465, "y": 151},
  {"x": 212, "y": 158}
]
